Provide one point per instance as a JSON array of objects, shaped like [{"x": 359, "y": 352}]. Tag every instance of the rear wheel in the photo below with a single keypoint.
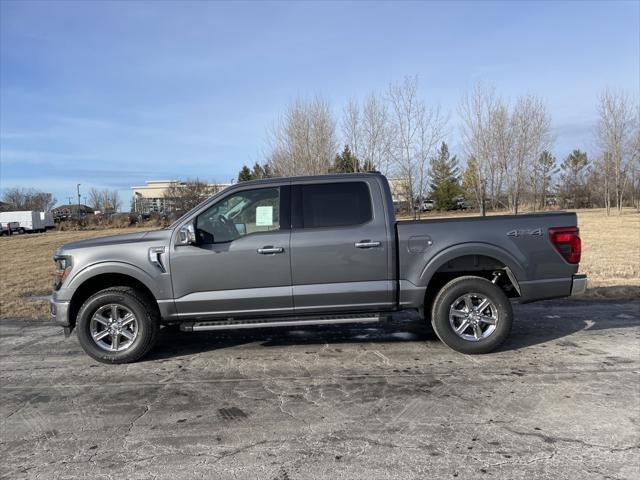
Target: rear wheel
[
  {"x": 117, "y": 325},
  {"x": 472, "y": 315}
]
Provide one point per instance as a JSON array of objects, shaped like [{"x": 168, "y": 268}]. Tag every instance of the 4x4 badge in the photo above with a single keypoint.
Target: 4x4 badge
[{"x": 517, "y": 233}]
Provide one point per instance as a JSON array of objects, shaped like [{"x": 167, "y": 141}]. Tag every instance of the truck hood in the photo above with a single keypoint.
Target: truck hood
[{"x": 124, "y": 239}]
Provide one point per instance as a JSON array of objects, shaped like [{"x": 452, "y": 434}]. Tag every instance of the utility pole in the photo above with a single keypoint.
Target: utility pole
[{"x": 78, "y": 187}]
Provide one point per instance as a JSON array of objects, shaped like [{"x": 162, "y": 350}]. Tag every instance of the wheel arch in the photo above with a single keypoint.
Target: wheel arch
[
  {"x": 469, "y": 250},
  {"x": 101, "y": 281},
  {"x": 476, "y": 259}
]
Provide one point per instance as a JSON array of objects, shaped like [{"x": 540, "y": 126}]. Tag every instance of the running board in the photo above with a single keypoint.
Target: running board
[{"x": 233, "y": 323}]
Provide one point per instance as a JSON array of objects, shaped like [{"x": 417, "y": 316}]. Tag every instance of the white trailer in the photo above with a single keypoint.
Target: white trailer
[
  {"x": 28, "y": 220},
  {"x": 47, "y": 220}
]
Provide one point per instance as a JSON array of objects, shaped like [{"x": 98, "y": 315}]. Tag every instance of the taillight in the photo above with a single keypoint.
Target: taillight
[{"x": 567, "y": 243}]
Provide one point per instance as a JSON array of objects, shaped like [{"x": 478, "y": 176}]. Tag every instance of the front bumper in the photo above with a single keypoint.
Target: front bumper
[
  {"x": 59, "y": 312},
  {"x": 578, "y": 284}
]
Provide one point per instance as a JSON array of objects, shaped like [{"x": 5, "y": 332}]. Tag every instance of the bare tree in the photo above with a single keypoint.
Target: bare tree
[
  {"x": 431, "y": 132},
  {"x": 614, "y": 133},
  {"x": 500, "y": 148},
  {"x": 505, "y": 142},
  {"x": 104, "y": 200},
  {"x": 531, "y": 135},
  {"x": 112, "y": 200},
  {"x": 303, "y": 140},
  {"x": 28, "y": 199},
  {"x": 478, "y": 112},
  {"x": 96, "y": 199},
  {"x": 417, "y": 130},
  {"x": 352, "y": 128},
  {"x": 634, "y": 183},
  {"x": 182, "y": 196},
  {"x": 376, "y": 135}
]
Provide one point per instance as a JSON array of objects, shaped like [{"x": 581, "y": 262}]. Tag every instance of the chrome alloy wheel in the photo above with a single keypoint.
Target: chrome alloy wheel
[
  {"x": 113, "y": 327},
  {"x": 473, "y": 317}
]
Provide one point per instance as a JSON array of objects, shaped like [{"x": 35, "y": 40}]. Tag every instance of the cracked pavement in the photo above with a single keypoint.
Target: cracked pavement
[{"x": 560, "y": 400}]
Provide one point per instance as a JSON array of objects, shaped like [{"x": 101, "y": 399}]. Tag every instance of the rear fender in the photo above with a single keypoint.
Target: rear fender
[{"x": 517, "y": 271}]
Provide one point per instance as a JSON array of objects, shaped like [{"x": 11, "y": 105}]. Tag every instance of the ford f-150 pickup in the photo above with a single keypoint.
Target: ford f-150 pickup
[{"x": 311, "y": 251}]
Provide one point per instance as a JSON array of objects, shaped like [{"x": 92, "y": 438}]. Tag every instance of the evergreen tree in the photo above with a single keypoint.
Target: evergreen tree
[
  {"x": 470, "y": 180},
  {"x": 543, "y": 168},
  {"x": 445, "y": 181},
  {"x": 572, "y": 179},
  {"x": 245, "y": 174},
  {"x": 368, "y": 166},
  {"x": 258, "y": 172},
  {"x": 345, "y": 162}
]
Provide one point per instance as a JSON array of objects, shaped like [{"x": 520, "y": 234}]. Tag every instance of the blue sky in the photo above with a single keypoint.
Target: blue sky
[{"x": 110, "y": 94}]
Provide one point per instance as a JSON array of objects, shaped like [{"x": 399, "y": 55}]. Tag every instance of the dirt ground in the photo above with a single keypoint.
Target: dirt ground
[
  {"x": 610, "y": 257},
  {"x": 559, "y": 400}
]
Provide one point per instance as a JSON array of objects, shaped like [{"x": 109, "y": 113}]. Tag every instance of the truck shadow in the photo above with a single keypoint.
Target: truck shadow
[{"x": 534, "y": 324}]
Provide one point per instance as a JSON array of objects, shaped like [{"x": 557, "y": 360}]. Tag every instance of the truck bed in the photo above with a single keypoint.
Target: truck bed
[{"x": 519, "y": 242}]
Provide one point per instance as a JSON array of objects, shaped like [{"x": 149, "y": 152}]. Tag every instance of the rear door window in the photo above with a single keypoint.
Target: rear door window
[{"x": 335, "y": 204}]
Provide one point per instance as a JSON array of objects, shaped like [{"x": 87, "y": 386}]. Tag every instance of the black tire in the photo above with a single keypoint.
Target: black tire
[
  {"x": 146, "y": 315},
  {"x": 451, "y": 294}
]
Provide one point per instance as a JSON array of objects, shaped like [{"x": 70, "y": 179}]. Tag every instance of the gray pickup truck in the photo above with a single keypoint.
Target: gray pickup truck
[{"x": 311, "y": 251}]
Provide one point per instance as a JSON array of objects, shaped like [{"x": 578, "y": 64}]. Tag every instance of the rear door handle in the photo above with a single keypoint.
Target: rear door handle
[
  {"x": 269, "y": 250},
  {"x": 367, "y": 244}
]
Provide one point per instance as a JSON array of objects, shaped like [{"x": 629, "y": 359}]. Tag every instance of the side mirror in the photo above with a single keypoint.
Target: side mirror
[
  {"x": 186, "y": 235},
  {"x": 241, "y": 228}
]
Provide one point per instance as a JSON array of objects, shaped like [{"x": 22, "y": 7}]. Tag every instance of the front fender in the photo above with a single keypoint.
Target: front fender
[{"x": 159, "y": 289}]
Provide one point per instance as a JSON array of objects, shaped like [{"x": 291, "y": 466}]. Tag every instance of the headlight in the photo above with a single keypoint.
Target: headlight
[{"x": 63, "y": 268}]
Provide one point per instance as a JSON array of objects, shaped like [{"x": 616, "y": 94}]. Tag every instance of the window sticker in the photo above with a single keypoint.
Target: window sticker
[{"x": 264, "y": 216}]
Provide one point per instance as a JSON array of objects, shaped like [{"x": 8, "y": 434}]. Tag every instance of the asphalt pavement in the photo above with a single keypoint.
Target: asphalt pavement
[{"x": 560, "y": 400}]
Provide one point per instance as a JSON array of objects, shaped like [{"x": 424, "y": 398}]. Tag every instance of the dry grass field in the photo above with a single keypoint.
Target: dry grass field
[
  {"x": 610, "y": 256},
  {"x": 611, "y": 253},
  {"x": 27, "y": 267}
]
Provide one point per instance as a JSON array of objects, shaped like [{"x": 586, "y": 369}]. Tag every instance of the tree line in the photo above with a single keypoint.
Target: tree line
[
  {"x": 105, "y": 200},
  {"x": 19, "y": 199},
  {"x": 506, "y": 146}
]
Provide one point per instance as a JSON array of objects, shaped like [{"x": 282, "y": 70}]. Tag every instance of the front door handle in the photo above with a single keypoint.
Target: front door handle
[
  {"x": 269, "y": 250},
  {"x": 367, "y": 244}
]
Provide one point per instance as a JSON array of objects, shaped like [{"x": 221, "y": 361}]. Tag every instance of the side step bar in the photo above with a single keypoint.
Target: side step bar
[{"x": 232, "y": 324}]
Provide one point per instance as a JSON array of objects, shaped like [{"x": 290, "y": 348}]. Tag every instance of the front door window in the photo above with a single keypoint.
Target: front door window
[{"x": 240, "y": 214}]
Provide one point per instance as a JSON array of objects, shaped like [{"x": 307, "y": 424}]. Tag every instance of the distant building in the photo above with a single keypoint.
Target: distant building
[
  {"x": 71, "y": 211},
  {"x": 399, "y": 187},
  {"x": 5, "y": 207},
  {"x": 150, "y": 198}
]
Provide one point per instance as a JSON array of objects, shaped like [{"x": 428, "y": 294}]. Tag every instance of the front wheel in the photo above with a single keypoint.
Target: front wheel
[
  {"x": 472, "y": 315},
  {"x": 117, "y": 325}
]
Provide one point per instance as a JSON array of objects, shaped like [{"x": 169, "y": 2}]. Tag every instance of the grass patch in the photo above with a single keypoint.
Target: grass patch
[{"x": 27, "y": 268}]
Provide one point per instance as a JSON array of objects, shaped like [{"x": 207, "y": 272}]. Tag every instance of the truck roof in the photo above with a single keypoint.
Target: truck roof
[{"x": 323, "y": 177}]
